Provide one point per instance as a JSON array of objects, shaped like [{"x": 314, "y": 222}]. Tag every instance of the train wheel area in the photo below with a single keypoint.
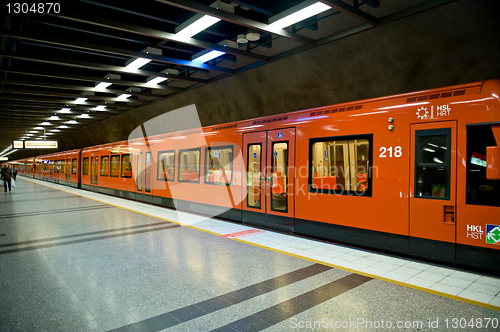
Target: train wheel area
[{"x": 78, "y": 260}]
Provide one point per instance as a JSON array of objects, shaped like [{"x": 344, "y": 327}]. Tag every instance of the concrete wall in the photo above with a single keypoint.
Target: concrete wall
[{"x": 451, "y": 44}]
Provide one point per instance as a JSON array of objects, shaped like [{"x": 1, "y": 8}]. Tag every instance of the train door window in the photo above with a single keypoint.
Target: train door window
[
  {"x": 73, "y": 166},
  {"x": 480, "y": 191},
  {"x": 85, "y": 166},
  {"x": 126, "y": 166},
  {"x": 105, "y": 166},
  {"x": 96, "y": 167},
  {"x": 189, "y": 165},
  {"x": 433, "y": 149},
  {"x": 147, "y": 174},
  {"x": 63, "y": 164},
  {"x": 279, "y": 176},
  {"x": 92, "y": 170},
  {"x": 115, "y": 166},
  {"x": 166, "y": 166},
  {"x": 341, "y": 165},
  {"x": 139, "y": 171},
  {"x": 219, "y": 165},
  {"x": 254, "y": 175}
]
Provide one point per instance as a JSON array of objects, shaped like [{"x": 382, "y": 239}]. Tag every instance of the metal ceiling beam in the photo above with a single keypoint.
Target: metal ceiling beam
[
  {"x": 109, "y": 49},
  {"x": 235, "y": 19},
  {"x": 351, "y": 11},
  {"x": 154, "y": 33},
  {"x": 93, "y": 65},
  {"x": 75, "y": 87},
  {"x": 87, "y": 78}
]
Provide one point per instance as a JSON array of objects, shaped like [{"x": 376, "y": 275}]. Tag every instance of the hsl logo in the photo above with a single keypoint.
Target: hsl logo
[
  {"x": 493, "y": 234},
  {"x": 474, "y": 232}
]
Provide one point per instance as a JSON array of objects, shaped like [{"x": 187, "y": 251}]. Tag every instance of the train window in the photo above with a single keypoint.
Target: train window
[
  {"x": 105, "y": 166},
  {"x": 219, "y": 165},
  {"x": 126, "y": 166},
  {"x": 189, "y": 165},
  {"x": 63, "y": 166},
  {"x": 279, "y": 177},
  {"x": 166, "y": 165},
  {"x": 480, "y": 191},
  {"x": 73, "y": 166},
  {"x": 139, "y": 171},
  {"x": 341, "y": 165},
  {"x": 254, "y": 176},
  {"x": 115, "y": 166},
  {"x": 85, "y": 166},
  {"x": 433, "y": 163}
]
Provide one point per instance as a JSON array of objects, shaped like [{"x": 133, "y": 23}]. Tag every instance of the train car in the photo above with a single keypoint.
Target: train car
[
  {"x": 60, "y": 167},
  {"x": 416, "y": 174}
]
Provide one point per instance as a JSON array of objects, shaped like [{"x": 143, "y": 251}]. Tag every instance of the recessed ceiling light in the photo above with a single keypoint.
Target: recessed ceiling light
[
  {"x": 54, "y": 117},
  {"x": 65, "y": 110},
  {"x": 45, "y": 123},
  {"x": 299, "y": 15},
  {"x": 209, "y": 56},
  {"x": 156, "y": 81},
  {"x": 123, "y": 97},
  {"x": 102, "y": 86},
  {"x": 100, "y": 108},
  {"x": 63, "y": 126},
  {"x": 197, "y": 26},
  {"x": 71, "y": 122},
  {"x": 84, "y": 115},
  {"x": 55, "y": 130},
  {"x": 38, "y": 128},
  {"x": 136, "y": 64},
  {"x": 80, "y": 100}
]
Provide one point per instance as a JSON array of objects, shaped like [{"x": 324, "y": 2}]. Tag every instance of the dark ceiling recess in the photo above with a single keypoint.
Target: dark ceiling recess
[{"x": 51, "y": 56}]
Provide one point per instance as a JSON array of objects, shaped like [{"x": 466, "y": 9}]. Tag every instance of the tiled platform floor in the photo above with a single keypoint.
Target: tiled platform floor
[{"x": 72, "y": 260}]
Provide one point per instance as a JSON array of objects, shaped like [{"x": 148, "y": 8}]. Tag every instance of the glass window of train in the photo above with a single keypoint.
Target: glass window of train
[
  {"x": 85, "y": 166},
  {"x": 480, "y": 191},
  {"x": 219, "y": 165},
  {"x": 73, "y": 166},
  {"x": 341, "y": 165},
  {"x": 279, "y": 177},
  {"x": 433, "y": 163},
  {"x": 126, "y": 166},
  {"x": 189, "y": 165},
  {"x": 254, "y": 175},
  {"x": 139, "y": 171},
  {"x": 115, "y": 166},
  {"x": 105, "y": 166},
  {"x": 166, "y": 166}
]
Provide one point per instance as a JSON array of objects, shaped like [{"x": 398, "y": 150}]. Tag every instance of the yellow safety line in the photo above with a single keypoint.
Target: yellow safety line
[{"x": 431, "y": 291}]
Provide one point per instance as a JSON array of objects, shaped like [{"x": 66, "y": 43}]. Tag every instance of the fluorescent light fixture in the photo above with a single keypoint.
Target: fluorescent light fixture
[
  {"x": 195, "y": 25},
  {"x": 39, "y": 137},
  {"x": 65, "y": 110},
  {"x": 430, "y": 150},
  {"x": 30, "y": 134},
  {"x": 299, "y": 15},
  {"x": 80, "y": 100},
  {"x": 63, "y": 126},
  {"x": 54, "y": 117},
  {"x": 100, "y": 108},
  {"x": 55, "y": 130},
  {"x": 38, "y": 128},
  {"x": 102, "y": 85},
  {"x": 156, "y": 80},
  {"x": 123, "y": 97},
  {"x": 49, "y": 134},
  {"x": 71, "y": 122},
  {"x": 209, "y": 56},
  {"x": 84, "y": 115},
  {"x": 137, "y": 63},
  {"x": 45, "y": 123}
]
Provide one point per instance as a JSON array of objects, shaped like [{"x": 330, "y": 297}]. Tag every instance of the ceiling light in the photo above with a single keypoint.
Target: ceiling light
[
  {"x": 65, "y": 110},
  {"x": 55, "y": 130},
  {"x": 123, "y": 97},
  {"x": 102, "y": 85},
  {"x": 63, "y": 126},
  {"x": 100, "y": 108},
  {"x": 84, "y": 115},
  {"x": 156, "y": 80},
  {"x": 253, "y": 36},
  {"x": 30, "y": 134},
  {"x": 136, "y": 64},
  {"x": 45, "y": 123},
  {"x": 298, "y": 15},
  {"x": 49, "y": 134},
  {"x": 54, "y": 117},
  {"x": 38, "y": 128},
  {"x": 195, "y": 25},
  {"x": 80, "y": 100},
  {"x": 39, "y": 138},
  {"x": 208, "y": 56},
  {"x": 242, "y": 39},
  {"x": 71, "y": 122}
]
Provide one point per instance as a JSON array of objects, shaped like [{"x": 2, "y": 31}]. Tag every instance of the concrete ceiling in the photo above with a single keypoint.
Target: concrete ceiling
[{"x": 47, "y": 60}]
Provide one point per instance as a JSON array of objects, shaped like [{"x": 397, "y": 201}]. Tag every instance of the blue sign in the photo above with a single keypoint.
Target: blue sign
[
  {"x": 280, "y": 135},
  {"x": 255, "y": 154}
]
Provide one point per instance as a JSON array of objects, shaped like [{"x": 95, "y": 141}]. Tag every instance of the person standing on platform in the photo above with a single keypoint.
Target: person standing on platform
[
  {"x": 6, "y": 176},
  {"x": 14, "y": 173}
]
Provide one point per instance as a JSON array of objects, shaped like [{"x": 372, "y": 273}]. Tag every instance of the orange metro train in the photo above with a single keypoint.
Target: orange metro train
[{"x": 416, "y": 174}]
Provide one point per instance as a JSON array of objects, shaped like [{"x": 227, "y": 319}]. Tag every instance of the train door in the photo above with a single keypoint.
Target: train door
[
  {"x": 143, "y": 170},
  {"x": 139, "y": 173},
  {"x": 269, "y": 158},
  {"x": 96, "y": 169},
  {"x": 433, "y": 189},
  {"x": 92, "y": 170},
  {"x": 68, "y": 168}
]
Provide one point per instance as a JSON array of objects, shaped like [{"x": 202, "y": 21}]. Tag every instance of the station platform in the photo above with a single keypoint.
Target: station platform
[{"x": 73, "y": 260}]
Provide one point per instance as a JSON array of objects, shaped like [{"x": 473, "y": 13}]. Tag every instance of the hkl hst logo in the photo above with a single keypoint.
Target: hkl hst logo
[
  {"x": 493, "y": 234},
  {"x": 474, "y": 232}
]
